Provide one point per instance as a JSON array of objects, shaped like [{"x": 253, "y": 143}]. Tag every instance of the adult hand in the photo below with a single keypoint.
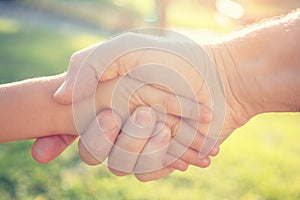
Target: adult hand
[
  {"x": 93, "y": 66},
  {"x": 248, "y": 85},
  {"x": 64, "y": 94},
  {"x": 245, "y": 72},
  {"x": 149, "y": 157},
  {"x": 185, "y": 135},
  {"x": 113, "y": 58},
  {"x": 203, "y": 70}
]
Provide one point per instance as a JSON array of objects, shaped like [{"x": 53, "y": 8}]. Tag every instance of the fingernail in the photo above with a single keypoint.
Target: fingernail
[
  {"x": 215, "y": 150},
  {"x": 61, "y": 89},
  {"x": 202, "y": 154},
  {"x": 182, "y": 166},
  {"x": 107, "y": 124},
  {"x": 206, "y": 161},
  {"x": 206, "y": 147},
  {"x": 143, "y": 118}
]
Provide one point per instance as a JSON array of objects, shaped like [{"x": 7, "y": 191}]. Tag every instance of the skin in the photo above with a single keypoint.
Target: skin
[
  {"x": 259, "y": 70},
  {"x": 29, "y": 118},
  {"x": 28, "y": 108}
]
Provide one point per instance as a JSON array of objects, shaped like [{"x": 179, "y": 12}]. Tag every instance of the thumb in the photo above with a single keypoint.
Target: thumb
[
  {"x": 64, "y": 94},
  {"x": 88, "y": 66},
  {"x": 100, "y": 62}
]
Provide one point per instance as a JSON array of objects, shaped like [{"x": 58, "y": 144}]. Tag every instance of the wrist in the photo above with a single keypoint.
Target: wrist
[
  {"x": 58, "y": 117},
  {"x": 256, "y": 82},
  {"x": 267, "y": 65},
  {"x": 238, "y": 97}
]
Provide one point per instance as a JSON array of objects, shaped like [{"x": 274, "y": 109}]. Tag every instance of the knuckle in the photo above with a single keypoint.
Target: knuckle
[{"x": 106, "y": 112}]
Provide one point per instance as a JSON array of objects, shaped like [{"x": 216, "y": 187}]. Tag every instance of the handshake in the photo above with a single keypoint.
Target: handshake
[
  {"x": 149, "y": 104},
  {"x": 143, "y": 103}
]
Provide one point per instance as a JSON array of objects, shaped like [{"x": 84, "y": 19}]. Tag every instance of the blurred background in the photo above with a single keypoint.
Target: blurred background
[{"x": 37, "y": 37}]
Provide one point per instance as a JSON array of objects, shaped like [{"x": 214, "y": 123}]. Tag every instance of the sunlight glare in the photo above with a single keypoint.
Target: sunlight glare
[{"x": 230, "y": 8}]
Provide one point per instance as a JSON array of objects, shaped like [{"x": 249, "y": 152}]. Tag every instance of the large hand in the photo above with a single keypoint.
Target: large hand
[
  {"x": 213, "y": 84},
  {"x": 148, "y": 55},
  {"x": 217, "y": 81},
  {"x": 152, "y": 160},
  {"x": 65, "y": 94},
  {"x": 149, "y": 157},
  {"x": 124, "y": 95},
  {"x": 185, "y": 134}
]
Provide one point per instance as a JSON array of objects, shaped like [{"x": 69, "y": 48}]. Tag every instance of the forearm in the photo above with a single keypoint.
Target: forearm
[
  {"x": 262, "y": 65},
  {"x": 28, "y": 110}
]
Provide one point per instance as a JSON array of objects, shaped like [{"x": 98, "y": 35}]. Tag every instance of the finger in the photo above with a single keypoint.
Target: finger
[
  {"x": 64, "y": 93},
  {"x": 176, "y": 163},
  {"x": 214, "y": 152},
  {"x": 131, "y": 141},
  {"x": 190, "y": 137},
  {"x": 190, "y": 140},
  {"x": 209, "y": 144},
  {"x": 186, "y": 143},
  {"x": 87, "y": 67},
  {"x": 96, "y": 142},
  {"x": 139, "y": 93},
  {"x": 102, "y": 62},
  {"x": 150, "y": 164},
  {"x": 46, "y": 149},
  {"x": 151, "y": 176},
  {"x": 152, "y": 157},
  {"x": 155, "y": 156},
  {"x": 187, "y": 133},
  {"x": 188, "y": 155},
  {"x": 173, "y": 104},
  {"x": 86, "y": 156}
]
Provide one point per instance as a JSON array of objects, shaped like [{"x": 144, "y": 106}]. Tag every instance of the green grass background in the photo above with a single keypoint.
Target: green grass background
[{"x": 259, "y": 161}]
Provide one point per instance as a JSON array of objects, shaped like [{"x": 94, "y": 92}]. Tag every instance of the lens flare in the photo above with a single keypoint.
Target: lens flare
[{"x": 230, "y": 8}]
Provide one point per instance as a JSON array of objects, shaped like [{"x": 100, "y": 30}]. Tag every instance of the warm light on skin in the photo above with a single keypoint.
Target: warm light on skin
[{"x": 230, "y": 8}]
